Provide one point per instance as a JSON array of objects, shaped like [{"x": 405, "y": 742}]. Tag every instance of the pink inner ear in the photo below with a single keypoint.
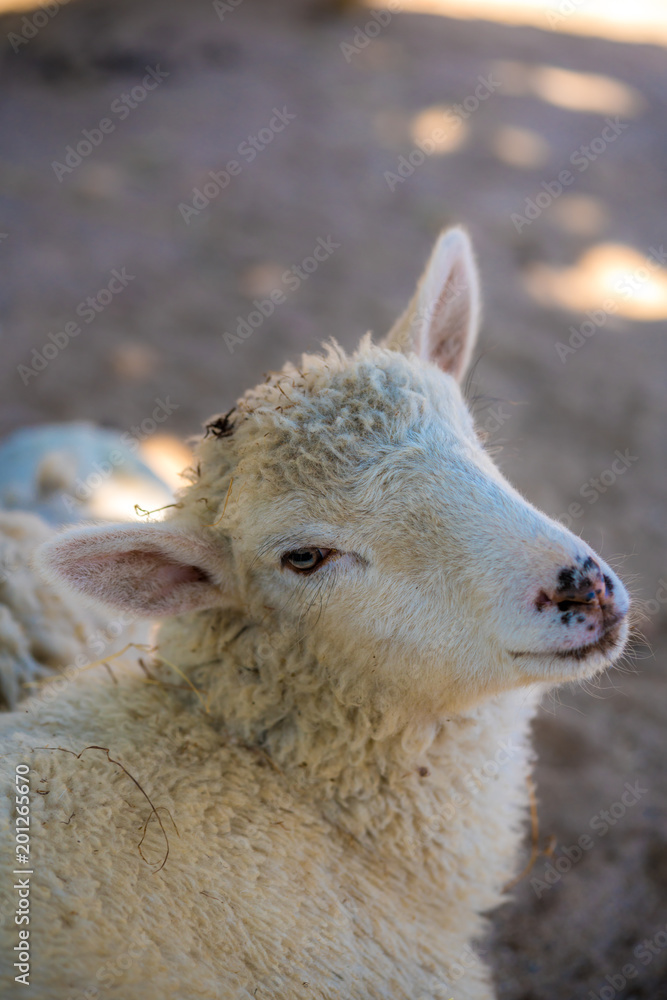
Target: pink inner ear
[
  {"x": 147, "y": 570},
  {"x": 171, "y": 574},
  {"x": 446, "y": 337},
  {"x": 448, "y": 353},
  {"x": 145, "y": 582}
]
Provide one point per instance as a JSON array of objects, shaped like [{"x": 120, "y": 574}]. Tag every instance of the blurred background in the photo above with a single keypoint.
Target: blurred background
[{"x": 194, "y": 192}]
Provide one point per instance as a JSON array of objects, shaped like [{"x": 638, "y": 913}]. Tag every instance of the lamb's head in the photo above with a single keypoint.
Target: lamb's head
[{"x": 348, "y": 506}]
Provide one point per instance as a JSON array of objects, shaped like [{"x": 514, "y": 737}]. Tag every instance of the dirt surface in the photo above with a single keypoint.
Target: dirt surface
[{"x": 556, "y": 422}]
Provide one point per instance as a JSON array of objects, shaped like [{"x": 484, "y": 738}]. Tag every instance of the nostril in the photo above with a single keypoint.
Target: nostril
[
  {"x": 577, "y": 588},
  {"x": 542, "y": 600}
]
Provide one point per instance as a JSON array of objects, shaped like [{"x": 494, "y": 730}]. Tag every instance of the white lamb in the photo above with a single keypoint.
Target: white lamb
[{"x": 361, "y": 611}]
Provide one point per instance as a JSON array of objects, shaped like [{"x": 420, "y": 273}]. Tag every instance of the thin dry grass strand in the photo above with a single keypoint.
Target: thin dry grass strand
[
  {"x": 153, "y": 812},
  {"x": 110, "y": 672},
  {"x": 141, "y": 512},
  {"x": 535, "y": 838},
  {"x": 103, "y": 662},
  {"x": 229, "y": 490},
  {"x": 150, "y": 679},
  {"x": 177, "y": 670}
]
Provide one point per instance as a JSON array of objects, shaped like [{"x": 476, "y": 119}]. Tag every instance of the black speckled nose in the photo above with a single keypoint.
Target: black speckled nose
[
  {"x": 576, "y": 586},
  {"x": 581, "y": 587}
]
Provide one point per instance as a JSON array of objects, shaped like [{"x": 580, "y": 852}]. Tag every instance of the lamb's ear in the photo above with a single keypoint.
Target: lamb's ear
[
  {"x": 149, "y": 570},
  {"x": 441, "y": 322}
]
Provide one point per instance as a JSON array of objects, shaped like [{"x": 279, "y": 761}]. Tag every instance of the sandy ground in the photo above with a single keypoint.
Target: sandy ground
[{"x": 556, "y": 421}]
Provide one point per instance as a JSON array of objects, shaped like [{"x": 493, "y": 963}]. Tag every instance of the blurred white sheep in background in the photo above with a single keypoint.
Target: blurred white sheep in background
[{"x": 51, "y": 476}]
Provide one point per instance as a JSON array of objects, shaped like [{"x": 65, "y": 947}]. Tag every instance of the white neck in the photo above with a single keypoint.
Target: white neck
[{"x": 389, "y": 785}]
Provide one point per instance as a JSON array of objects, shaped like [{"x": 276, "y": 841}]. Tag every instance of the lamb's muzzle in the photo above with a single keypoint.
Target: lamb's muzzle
[
  {"x": 581, "y": 589},
  {"x": 591, "y": 606}
]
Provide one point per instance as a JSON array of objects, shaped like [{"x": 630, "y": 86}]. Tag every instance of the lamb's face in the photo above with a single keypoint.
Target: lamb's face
[
  {"x": 347, "y": 505},
  {"x": 367, "y": 520}
]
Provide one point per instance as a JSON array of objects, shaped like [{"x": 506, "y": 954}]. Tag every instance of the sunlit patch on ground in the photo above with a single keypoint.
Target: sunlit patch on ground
[
  {"x": 116, "y": 497},
  {"x": 259, "y": 280},
  {"x": 9, "y": 6},
  {"x": 134, "y": 361},
  {"x": 643, "y": 21},
  {"x": 636, "y": 284},
  {"x": 581, "y": 214},
  {"x": 440, "y": 127},
  {"x": 167, "y": 456},
  {"x": 520, "y": 147},
  {"x": 586, "y": 92},
  {"x": 437, "y": 129}
]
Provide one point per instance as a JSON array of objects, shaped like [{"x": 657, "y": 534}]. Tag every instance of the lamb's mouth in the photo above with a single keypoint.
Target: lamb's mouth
[{"x": 608, "y": 643}]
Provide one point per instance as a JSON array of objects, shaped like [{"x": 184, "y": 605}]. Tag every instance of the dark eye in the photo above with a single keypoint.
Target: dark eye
[{"x": 305, "y": 560}]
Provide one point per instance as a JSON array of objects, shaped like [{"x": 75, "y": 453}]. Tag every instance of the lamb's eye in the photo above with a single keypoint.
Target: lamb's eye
[{"x": 305, "y": 560}]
